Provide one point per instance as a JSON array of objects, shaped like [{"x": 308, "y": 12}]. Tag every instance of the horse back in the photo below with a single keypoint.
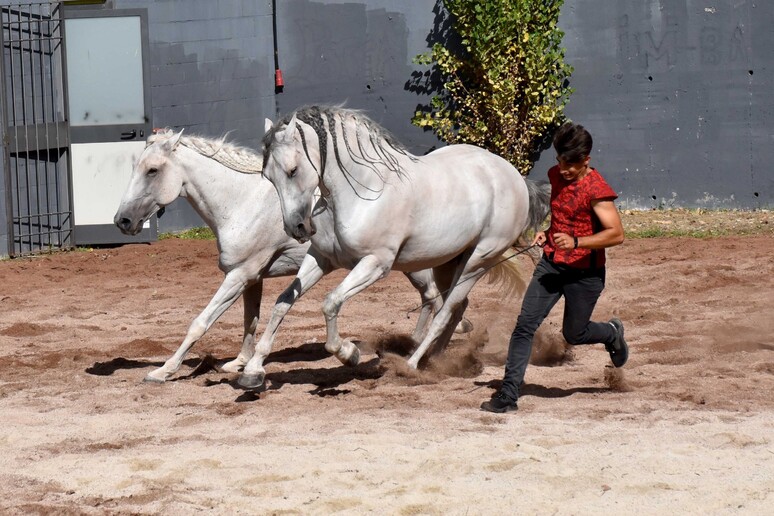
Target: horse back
[
  {"x": 462, "y": 196},
  {"x": 471, "y": 182}
]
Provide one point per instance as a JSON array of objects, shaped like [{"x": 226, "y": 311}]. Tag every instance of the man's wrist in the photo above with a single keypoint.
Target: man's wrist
[{"x": 575, "y": 242}]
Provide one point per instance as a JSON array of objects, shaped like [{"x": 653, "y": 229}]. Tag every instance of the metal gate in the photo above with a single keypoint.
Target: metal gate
[{"x": 35, "y": 128}]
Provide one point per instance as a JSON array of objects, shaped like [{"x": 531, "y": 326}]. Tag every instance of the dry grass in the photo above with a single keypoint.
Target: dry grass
[{"x": 696, "y": 223}]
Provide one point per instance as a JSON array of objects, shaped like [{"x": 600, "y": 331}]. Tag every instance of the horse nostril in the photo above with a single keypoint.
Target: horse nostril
[{"x": 124, "y": 223}]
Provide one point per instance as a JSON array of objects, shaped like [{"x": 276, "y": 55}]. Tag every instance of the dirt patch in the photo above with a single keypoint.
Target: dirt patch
[
  {"x": 83, "y": 435},
  {"x": 24, "y": 330}
]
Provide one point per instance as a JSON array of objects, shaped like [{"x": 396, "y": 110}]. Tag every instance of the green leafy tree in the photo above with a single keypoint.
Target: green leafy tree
[{"x": 504, "y": 81}]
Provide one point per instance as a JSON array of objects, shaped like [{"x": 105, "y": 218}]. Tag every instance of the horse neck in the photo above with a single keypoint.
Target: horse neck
[{"x": 212, "y": 189}]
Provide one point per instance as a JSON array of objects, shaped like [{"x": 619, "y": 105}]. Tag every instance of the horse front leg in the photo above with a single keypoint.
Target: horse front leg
[
  {"x": 232, "y": 287},
  {"x": 312, "y": 269},
  {"x": 370, "y": 269},
  {"x": 252, "y": 301}
]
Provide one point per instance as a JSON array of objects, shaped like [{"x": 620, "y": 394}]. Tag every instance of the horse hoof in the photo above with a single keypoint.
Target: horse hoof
[
  {"x": 149, "y": 378},
  {"x": 251, "y": 381},
  {"x": 354, "y": 357},
  {"x": 231, "y": 367},
  {"x": 465, "y": 326},
  {"x": 413, "y": 364}
]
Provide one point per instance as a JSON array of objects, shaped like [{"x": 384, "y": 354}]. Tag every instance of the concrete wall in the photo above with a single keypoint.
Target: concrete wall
[
  {"x": 677, "y": 95},
  {"x": 358, "y": 53}
]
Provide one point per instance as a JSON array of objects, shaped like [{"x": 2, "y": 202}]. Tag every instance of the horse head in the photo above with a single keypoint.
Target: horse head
[
  {"x": 288, "y": 164},
  {"x": 155, "y": 182}
]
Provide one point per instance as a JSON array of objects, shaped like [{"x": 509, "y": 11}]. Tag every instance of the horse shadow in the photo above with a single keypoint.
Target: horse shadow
[
  {"x": 309, "y": 352},
  {"x": 325, "y": 380},
  {"x": 111, "y": 366}
]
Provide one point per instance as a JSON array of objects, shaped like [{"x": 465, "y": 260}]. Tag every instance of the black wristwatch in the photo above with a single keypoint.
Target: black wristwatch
[{"x": 575, "y": 239}]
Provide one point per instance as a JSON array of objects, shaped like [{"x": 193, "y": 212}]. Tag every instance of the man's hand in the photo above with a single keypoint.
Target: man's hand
[
  {"x": 564, "y": 241},
  {"x": 540, "y": 239}
]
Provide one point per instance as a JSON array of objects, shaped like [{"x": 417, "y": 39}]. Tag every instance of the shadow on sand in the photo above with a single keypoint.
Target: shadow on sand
[
  {"x": 541, "y": 391},
  {"x": 325, "y": 380}
]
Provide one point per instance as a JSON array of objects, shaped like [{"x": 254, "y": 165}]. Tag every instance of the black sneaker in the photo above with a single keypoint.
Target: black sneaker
[
  {"x": 619, "y": 350},
  {"x": 499, "y": 403}
]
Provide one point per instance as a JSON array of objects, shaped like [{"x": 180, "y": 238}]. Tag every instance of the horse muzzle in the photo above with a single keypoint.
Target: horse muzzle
[
  {"x": 303, "y": 231},
  {"x": 132, "y": 225},
  {"x": 126, "y": 225}
]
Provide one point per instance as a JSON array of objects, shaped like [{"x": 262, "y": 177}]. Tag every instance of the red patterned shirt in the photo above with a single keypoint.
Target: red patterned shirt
[{"x": 571, "y": 213}]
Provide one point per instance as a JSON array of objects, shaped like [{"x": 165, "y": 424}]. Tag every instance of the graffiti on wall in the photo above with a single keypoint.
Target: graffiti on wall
[{"x": 678, "y": 43}]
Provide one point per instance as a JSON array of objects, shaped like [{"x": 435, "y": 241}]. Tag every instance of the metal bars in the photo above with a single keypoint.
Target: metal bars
[{"x": 38, "y": 186}]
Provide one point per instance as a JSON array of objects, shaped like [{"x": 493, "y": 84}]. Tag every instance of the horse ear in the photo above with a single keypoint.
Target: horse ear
[
  {"x": 286, "y": 136},
  {"x": 267, "y": 125},
  {"x": 175, "y": 140}
]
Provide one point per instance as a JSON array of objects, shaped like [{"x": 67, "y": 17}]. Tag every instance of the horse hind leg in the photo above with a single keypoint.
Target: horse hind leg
[
  {"x": 252, "y": 303},
  {"x": 446, "y": 277},
  {"x": 452, "y": 327},
  {"x": 432, "y": 301},
  {"x": 464, "y": 325},
  {"x": 451, "y": 312}
]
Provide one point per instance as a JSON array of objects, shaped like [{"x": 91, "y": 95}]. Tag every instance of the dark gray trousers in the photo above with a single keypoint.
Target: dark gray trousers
[{"x": 581, "y": 289}]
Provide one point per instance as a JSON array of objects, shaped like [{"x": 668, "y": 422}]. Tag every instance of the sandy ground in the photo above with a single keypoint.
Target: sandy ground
[{"x": 685, "y": 427}]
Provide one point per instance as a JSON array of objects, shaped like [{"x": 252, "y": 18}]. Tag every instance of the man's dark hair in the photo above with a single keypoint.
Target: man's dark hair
[{"x": 572, "y": 143}]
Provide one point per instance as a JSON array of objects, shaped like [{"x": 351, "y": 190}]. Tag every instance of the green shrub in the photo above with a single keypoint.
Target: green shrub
[{"x": 505, "y": 83}]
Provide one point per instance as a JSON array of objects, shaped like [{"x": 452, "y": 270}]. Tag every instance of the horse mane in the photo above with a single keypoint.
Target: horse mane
[
  {"x": 371, "y": 145},
  {"x": 235, "y": 157}
]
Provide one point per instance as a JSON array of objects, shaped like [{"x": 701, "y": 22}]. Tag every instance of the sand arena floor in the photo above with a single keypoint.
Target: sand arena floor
[{"x": 685, "y": 427}]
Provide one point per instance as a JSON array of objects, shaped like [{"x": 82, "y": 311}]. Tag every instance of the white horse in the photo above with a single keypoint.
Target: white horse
[
  {"x": 223, "y": 183},
  {"x": 455, "y": 210}
]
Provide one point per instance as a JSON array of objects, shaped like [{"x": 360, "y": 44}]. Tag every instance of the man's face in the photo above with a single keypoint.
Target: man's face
[{"x": 573, "y": 171}]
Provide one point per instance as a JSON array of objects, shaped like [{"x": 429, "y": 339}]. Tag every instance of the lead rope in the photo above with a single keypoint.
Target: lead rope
[{"x": 473, "y": 277}]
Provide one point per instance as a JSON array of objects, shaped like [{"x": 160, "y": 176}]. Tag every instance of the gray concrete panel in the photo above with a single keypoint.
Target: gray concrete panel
[
  {"x": 676, "y": 95},
  {"x": 359, "y": 54}
]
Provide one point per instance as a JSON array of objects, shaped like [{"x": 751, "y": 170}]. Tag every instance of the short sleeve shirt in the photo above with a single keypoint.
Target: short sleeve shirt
[{"x": 571, "y": 213}]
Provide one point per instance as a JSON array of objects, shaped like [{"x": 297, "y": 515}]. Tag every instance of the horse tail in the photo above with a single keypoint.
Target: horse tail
[
  {"x": 508, "y": 275},
  {"x": 539, "y": 204}
]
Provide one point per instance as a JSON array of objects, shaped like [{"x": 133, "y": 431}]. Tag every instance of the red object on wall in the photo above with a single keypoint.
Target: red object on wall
[{"x": 278, "y": 82}]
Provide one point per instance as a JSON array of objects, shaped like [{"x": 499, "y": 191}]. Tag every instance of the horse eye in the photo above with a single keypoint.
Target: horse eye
[
  {"x": 152, "y": 171},
  {"x": 293, "y": 172}
]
